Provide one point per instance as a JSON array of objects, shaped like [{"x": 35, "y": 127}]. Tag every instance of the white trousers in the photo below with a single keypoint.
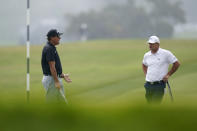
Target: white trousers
[{"x": 52, "y": 93}]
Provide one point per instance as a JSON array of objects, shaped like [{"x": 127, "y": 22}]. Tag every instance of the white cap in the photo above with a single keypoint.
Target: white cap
[{"x": 153, "y": 39}]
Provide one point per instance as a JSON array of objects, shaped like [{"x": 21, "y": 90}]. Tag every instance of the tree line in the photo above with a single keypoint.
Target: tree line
[{"x": 157, "y": 17}]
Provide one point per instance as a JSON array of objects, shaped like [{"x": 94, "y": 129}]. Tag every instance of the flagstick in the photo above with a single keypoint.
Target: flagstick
[{"x": 28, "y": 50}]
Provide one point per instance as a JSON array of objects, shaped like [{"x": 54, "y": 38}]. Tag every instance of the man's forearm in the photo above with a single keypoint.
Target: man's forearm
[
  {"x": 53, "y": 70},
  {"x": 174, "y": 68},
  {"x": 54, "y": 74},
  {"x": 144, "y": 69}
]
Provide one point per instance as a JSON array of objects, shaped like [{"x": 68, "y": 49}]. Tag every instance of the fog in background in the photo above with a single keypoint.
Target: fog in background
[{"x": 47, "y": 14}]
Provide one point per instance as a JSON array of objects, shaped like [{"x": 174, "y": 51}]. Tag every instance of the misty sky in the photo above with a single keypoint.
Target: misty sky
[{"x": 13, "y": 14}]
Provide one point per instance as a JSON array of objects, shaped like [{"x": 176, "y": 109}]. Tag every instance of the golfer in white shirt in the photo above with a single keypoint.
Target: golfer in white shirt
[{"x": 155, "y": 66}]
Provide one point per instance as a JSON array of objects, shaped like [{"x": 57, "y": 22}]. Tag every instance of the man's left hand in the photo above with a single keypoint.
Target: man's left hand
[
  {"x": 66, "y": 78},
  {"x": 165, "y": 79}
]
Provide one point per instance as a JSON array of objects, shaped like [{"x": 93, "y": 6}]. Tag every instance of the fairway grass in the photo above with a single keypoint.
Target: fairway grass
[{"x": 107, "y": 91}]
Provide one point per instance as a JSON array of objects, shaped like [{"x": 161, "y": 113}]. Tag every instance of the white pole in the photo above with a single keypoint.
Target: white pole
[{"x": 28, "y": 49}]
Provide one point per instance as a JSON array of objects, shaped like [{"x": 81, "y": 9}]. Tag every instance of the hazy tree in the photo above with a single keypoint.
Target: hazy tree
[
  {"x": 129, "y": 20},
  {"x": 164, "y": 15}
]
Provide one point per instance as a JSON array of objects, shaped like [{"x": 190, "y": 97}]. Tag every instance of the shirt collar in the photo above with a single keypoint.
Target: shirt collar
[
  {"x": 158, "y": 51},
  {"x": 50, "y": 44}
]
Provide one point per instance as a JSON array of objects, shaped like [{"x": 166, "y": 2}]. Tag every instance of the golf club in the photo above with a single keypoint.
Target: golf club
[
  {"x": 62, "y": 93},
  {"x": 170, "y": 92}
]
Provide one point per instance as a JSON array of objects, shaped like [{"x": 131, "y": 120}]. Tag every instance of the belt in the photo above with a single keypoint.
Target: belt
[
  {"x": 59, "y": 75},
  {"x": 155, "y": 82}
]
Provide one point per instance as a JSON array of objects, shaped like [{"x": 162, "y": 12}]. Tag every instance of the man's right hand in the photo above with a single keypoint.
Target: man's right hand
[{"x": 57, "y": 85}]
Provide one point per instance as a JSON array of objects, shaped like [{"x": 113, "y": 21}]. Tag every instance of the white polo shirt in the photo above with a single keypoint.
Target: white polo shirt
[{"x": 158, "y": 64}]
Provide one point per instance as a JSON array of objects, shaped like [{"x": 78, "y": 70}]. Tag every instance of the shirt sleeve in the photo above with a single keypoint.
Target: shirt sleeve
[
  {"x": 50, "y": 55},
  {"x": 144, "y": 61},
  {"x": 171, "y": 58}
]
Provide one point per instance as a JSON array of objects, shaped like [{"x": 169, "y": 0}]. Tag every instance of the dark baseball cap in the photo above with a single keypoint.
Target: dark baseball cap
[{"x": 53, "y": 33}]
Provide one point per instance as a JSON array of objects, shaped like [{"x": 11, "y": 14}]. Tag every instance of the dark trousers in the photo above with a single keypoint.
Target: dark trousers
[{"x": 154, "y": 91}]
